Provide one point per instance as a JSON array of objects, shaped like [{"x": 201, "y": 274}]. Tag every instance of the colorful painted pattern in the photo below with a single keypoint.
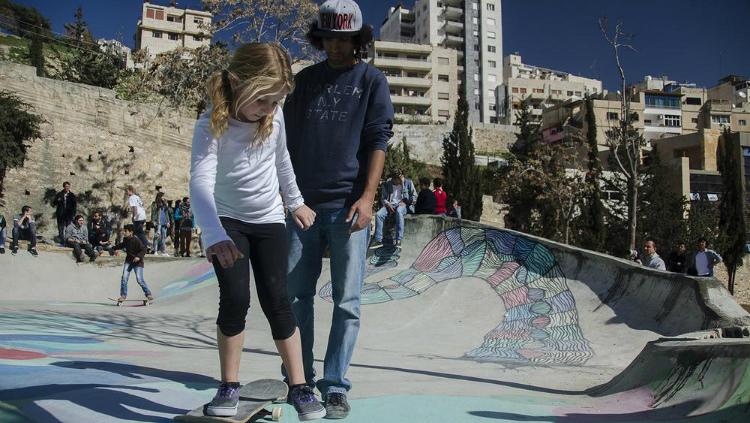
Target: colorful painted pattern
[{"x": 541, "y": 321}]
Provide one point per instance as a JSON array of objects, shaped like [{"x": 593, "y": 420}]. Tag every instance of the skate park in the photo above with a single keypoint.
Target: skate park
[{"x": 463, "y": 323}]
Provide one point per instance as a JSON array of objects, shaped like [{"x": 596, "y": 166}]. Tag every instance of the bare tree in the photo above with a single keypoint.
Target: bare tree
[
  {"x": 625, "y": 143},
  {"x": 277, "y": 21}
]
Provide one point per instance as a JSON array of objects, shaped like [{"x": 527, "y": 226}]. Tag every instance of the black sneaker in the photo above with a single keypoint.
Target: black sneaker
[
  {"x": 336, "y": 406},
  {"x": 225, "y": 401},
  {"x": 14, "y": 250},
  {"x": 2, "y": 250},
  {"x": 303, "y": 399},
  {"x": 398, "y": 243},
  {"x": 33, "y": 252},
  {"x": 375, "y": 244}
]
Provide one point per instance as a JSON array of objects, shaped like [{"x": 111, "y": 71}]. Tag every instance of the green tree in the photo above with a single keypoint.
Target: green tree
[
  {"x": 89, "y": 64},
  {"x": 461, "y": 175},
  {"x": 36, "y": 54},
  {"x": 732, "y": 228},
  {"x": 18, "y": 126},
  {"x": 23, "y": 21},
  {"x": 592, "y": 231}
]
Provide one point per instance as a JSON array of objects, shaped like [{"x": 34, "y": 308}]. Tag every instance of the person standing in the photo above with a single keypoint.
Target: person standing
[
  {"x": 65, "y": 204},
  {"x": 677, "y": 260},
  {"x": 338, "y": 121},
  {"x": 138, "y": 212},
  {"x": 651, "y": 257},
  {"x": 703, "y": 260},
  {"x": 162, "y": 218},
  {"x": 239, "y": 165},
  {"x": 186, "y": 227},
  {"x": 176, "y": 227}
]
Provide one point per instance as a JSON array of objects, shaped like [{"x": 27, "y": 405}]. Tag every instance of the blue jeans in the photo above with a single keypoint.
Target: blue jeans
[
  {"x": 28, "y": 233},
  {"x": 380, "y": 217},
  {"x": 348, "y": 251},
  {"x": 2, "y": 238},
  {"x": 160, "y": 239},
  {"x": 138, "y": 277}
]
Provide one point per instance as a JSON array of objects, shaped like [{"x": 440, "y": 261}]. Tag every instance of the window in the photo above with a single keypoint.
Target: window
[
  {"x": 491, "y": 49},
  {"x": 198, "y": 21},
  {"x": 476, "y": 91},
  {"x": 578, "y": 93},
  {"x": 743, "y": 122},
  {"x": 444, "y": 61},
  {"x": 647, "y": 121},
  {"x": 672, "y": 121},
  {"x": 490, "y": 7},
  {"x": 476, "y": 77},
  {"x": 490, "y": 21},
  {"x": 538, "y": 90},
  {"x": 490, "y": 93},
  {"x": 444, "y": 96},
  {"x": 476, "y": 47},
  {"x": 493, "y": 64},
  {"x": 474, "y": 6},
  {"x": 556, "y": 92},
  {"x": 156, "y": 34},
  {"x": 570, "y": 93},
  {"x": 493, "y": 106},
  {"x": 663, "y": 102},
  {"x": 443, "y": 78},
  {"x": 515, "y": 90},
  {"x": 523, "y": 90},
  {"x": 475, "y": 21},
  {"x": 475, "y": 33},
  {"x": 695, "y": 101},
  {"x": 694, "y": 120},
  {"x": 476, "y": 106},
  {"x": 174, "y": 18},
  {"x": 491, "y": 34},
  {"x": 444, "y": 113},
  {"x": 613, "y": 116},
  {"x": 152, "y": 13},
  {"x": 492, "y": 78},
  {"x": 172, "y": 36},
  {"x": 719, "y": 118}
]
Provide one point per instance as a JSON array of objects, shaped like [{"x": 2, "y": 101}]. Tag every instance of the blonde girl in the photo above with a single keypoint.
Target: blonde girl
[{"x": 239, "y": 165}]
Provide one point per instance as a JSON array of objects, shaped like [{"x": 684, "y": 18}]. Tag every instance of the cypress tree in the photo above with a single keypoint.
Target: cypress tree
[{"x": 732, "y": 228}]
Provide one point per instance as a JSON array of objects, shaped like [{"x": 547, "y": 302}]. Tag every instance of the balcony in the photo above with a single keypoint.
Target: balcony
[
  {"x": 402, "y": 63},
  {"x": 404, "y": 100},
  {"x": 455, "y": 28},
  {"x": 452, "y": 41},
  {"x": 408, "y": 118},
  {"x": 452, "y": 13},
  {"x": 405, "y": 81}
]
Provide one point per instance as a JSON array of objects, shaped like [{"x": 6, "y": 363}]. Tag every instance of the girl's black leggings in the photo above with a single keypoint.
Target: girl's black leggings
[{"x": 265, "y": 247}]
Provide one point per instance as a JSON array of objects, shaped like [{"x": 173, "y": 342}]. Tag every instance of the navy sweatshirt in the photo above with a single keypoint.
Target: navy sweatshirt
[{"x": 335, "y": 118}]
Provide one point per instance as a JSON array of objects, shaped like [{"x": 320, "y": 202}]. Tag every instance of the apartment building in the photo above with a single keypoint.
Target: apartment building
[
  {"x": 540, "y": 87},
  {"x": 164, "y": 28},
  {"x": 422, "y": 79},
  {"x": 473, "y": 28}
]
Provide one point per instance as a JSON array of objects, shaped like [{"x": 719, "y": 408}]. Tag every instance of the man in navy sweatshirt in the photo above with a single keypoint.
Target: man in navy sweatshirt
[{"x": 338, "y": 121}]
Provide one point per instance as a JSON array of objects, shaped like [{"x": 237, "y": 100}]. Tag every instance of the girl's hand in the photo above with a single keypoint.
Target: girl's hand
[
  {"x": 304, "y": 217},
  {"x": 225, "y": 252}
]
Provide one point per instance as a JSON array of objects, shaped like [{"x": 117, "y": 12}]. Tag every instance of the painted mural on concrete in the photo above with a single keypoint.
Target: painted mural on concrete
[{"x": 541, "y": 321}]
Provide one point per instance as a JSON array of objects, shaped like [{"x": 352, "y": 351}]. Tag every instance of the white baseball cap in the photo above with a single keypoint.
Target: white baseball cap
[{"x": 338, "y": 18}]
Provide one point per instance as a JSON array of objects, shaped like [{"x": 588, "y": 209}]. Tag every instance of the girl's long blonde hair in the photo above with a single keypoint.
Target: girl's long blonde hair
[{"x": 255, "y": 69}]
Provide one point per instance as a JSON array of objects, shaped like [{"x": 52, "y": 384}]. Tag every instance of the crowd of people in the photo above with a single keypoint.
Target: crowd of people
[
  {"x": 699, "y": 262},
  {"x": 399, "y": 197}
]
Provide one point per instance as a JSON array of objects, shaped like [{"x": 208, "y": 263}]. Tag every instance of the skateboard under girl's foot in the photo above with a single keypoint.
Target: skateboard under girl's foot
[{"x": 254, "y": 397}]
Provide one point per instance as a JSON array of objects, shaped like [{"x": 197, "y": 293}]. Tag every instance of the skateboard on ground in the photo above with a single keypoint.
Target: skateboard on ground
[
  {"x": 143, "y": 303},
  {"x": 254, "y": 398}
]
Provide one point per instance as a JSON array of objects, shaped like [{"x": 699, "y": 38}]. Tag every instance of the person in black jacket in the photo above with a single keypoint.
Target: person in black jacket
[
  {"x": 135, "y": 251},
  {"x": 426, "y": 200},
  {"x": 677, "y": 260},
  {"x": 65, "y": 209}
]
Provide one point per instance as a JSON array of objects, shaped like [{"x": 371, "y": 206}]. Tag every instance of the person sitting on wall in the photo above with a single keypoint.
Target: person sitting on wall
[
  {"x": 426, "y": 201},
  {"x": 99, "y": 234},
  {"x": 398, "y": 196},
  {"x": 24, "y": 227},
  {"x": 77, "y": 238}
]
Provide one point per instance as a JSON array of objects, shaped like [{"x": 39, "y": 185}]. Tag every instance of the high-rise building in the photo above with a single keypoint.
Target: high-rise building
[
  {"x": 164, "y": 28},
  {"x": 471, "y": 27}
]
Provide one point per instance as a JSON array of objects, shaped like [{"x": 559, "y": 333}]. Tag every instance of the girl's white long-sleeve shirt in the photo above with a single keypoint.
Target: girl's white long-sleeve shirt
[{"x": 233, "y": 177}]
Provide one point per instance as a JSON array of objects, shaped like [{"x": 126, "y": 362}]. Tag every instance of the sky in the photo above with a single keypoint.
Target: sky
[{"x": 697, "y": 41}]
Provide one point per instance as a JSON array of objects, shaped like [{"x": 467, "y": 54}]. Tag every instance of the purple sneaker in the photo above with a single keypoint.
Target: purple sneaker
[{"x": 225, "y": 401}]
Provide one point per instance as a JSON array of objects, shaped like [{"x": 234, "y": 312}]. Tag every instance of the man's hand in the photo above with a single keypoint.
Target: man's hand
[
  {"x": 363, "y": 210},
  {"x": 390, "y": 208},
  {"x": 304, "y": 217},
  {"x": 401, "y": 204},
  {"x": 136, "y": 259},
  {"x": 225, "y": 252}
]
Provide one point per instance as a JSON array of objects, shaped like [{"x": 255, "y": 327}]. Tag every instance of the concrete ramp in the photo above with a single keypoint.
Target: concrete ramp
[{"x": 463, "y": 323}]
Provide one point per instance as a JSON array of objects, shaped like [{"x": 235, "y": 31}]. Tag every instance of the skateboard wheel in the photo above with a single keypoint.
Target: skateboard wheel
[
  {"x": 119, "y": 304},
  {"x": 145, "y": 303},
  {"x": 276, "y": 414}
]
